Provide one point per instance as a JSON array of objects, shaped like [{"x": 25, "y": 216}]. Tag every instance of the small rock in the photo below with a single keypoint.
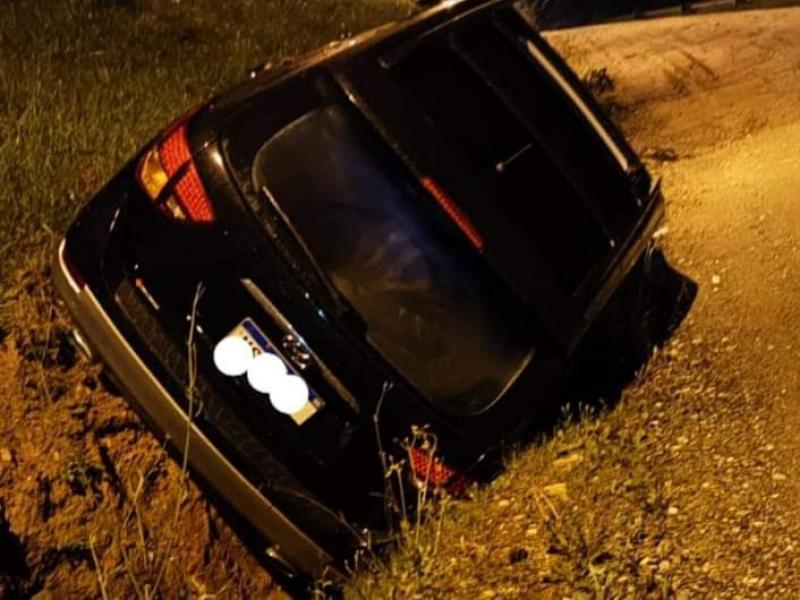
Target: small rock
[
  {"x": 664, "y": 548},
  {"x": 672, "y": 511},
  {"x": 530, "y": 532},
  {"x": 517, "y": 555},
  {"x": 556, "y": 490},
  {"x": 568, "y": 462},
  {"x": 778, "y": 477},
  {"x": 503, "y": 503},
  {"x": 5, "y": 455},
  {"x": 660, "y": 232},
  {"x": 664, "y": 566},
  {"x": 716, "y": 280}
]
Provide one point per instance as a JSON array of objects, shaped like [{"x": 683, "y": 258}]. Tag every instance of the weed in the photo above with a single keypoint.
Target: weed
[
  {"x": 80, "y": 475},
  {"x": 599, "y": 81}
]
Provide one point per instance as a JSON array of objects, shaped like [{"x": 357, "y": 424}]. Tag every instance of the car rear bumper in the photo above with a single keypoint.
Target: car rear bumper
[{"x": 287, "y": 545}]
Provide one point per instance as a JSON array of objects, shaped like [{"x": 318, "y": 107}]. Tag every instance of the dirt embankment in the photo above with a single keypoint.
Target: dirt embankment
[{"x": 89, "y": 499}]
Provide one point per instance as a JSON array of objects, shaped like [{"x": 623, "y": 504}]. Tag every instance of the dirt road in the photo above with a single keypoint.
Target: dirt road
[{"x": 719, "y": 98}]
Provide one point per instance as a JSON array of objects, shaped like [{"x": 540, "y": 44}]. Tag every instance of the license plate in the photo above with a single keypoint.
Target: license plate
[{"x": 260, "y": 343}]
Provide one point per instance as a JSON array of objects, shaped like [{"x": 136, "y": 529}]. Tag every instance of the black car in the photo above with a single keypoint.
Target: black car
[{"x": 415, "y": 228}]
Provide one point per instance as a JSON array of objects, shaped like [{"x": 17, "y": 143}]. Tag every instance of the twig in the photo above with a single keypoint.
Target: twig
[
  {"x": 388, "y": 491},
  {"x": 422, "y": 497},
  {"x": 127, "y": 559},
  {"x": 190, "y": 391},
  {"x": 140, "y": 529},
  {"x": 387, "y": 386},
  {"x": 101, "y": 579},
  {"x": 442, "y": 506}
]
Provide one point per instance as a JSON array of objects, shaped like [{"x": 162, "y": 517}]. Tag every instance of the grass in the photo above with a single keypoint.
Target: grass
[
  {"x": 84, "y": 83},
  {"x": 581, "y": 514}
]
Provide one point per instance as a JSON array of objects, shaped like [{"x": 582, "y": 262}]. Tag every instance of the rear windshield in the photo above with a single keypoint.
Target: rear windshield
[
  {"x": 432, "y": 308},
  {"x": 481, "y": 90}
]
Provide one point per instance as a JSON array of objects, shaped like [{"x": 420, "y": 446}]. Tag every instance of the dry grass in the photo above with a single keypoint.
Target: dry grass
[{"x": 582, "y": 514}]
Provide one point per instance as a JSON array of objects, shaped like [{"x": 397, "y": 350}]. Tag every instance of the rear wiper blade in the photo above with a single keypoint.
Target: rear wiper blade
[{"x": 343, "y": 307}]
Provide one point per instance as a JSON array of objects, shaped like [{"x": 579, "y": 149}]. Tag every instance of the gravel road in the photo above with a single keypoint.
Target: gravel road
[{"x": 717, "y": 100}]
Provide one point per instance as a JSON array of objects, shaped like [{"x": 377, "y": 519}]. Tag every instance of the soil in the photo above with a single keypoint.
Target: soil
[{"x": 91, "y": 504}]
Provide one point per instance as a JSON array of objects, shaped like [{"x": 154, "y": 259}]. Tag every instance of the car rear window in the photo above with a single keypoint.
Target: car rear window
[
  {"x": 432, "y": 307},
  {"x": 512, "y": 124}
]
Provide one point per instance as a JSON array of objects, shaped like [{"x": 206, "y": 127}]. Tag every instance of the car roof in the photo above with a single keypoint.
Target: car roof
[{"x": 401, "y": 36}]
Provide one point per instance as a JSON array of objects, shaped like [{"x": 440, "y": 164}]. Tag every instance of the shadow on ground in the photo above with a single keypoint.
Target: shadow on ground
[{"x": 642, "y": 316}]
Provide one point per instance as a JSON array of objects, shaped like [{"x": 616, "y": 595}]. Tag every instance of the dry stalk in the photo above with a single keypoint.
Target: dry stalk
[
  {"x": 190, "y": 394},
  {"x": 98, "y": 569}
]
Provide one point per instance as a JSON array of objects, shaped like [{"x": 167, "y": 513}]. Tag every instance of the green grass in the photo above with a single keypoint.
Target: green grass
[{"x": 84, "y": 83}]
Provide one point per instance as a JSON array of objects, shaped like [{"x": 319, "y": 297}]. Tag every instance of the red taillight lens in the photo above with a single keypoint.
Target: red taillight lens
[
  {"x": 168, "y": 159},
  {"x": 459, "y": 218},
  {"x": 428, "y": 469}
]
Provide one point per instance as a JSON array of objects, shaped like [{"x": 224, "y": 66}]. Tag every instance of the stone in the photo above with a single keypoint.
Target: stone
[{"x": 556, "y": 490}]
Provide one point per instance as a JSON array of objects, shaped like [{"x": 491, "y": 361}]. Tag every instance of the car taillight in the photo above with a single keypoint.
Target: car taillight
[
  {"x": 170, "y": 162},
  {"x": 427, "y": 469},
  {"x": 455, "y": 214}
]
